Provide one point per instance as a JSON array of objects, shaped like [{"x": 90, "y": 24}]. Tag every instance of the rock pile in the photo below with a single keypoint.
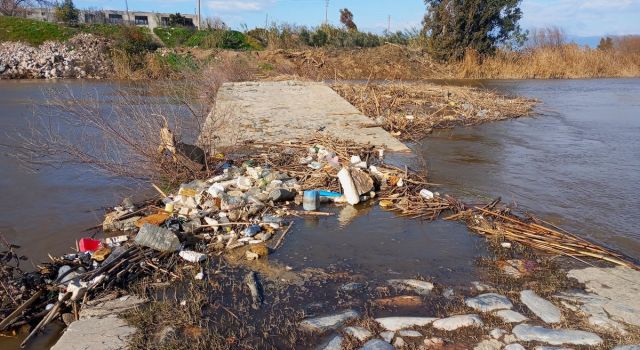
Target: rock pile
[{"x": 83, "y": 56}]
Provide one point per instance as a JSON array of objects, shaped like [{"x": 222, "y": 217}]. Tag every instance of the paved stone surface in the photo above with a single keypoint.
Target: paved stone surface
[
  {"x": 555, "y": 336},
  {"x": 334, "y": 344},
  {"x": 112, "y": 307},
  {"x": 359, "y": 333},
  {"x": 514, "y": 346},
  {"x": 281, "y": 111},
  {"x": 331, "y": 322},
  {"x": 618, "y": 289},
  {"x": 377, "y": 344},
  {"x": 628, "y": 347},
  {"x": 418, "y": 286},
  {"x": 106, "y": 333},
  {"x": 497, "y": 333},
  {"x": 489, "y": 302},
  {"x": 511, "y": 316},
  {"x": 398, "y": 323},
  {"x": 541, "y": 307},
  {"x": 454, "y": 322},
  {"x": 550, "y": 348},
  {"x": 489, "y": 345},
  {"x": 399, "y": 343}
]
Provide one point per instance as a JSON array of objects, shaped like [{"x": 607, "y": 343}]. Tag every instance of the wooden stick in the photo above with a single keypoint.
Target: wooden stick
[
  {"x": 164, "y": 195},
  {"x": 282, "y": 237},
  {"x": 9, "y": 319}
]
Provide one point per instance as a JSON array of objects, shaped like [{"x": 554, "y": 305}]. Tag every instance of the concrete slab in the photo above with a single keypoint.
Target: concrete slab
[
  {"x": 107, "y": 333},
  {"x": 288, "y": 110}
]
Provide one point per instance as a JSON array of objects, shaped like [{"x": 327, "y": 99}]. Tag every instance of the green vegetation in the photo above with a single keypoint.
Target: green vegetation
[
  {"x": 32, "y": 32},
  {"x": 180, "y": 63},
  {"x": 206, "y": 39},
  {"x": 455, "y": 26},
  {"x": 67, "y": 12}
]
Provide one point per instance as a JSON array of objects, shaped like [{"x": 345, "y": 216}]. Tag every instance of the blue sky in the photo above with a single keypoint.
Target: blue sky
[{"x": 580, "y": 18}]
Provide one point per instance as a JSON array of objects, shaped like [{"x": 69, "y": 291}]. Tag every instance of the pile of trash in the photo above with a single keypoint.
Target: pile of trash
[{"x": 246, "y": 205}]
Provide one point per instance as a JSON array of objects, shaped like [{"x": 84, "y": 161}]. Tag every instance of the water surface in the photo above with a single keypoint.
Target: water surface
[{"x": 576, "y": 164}]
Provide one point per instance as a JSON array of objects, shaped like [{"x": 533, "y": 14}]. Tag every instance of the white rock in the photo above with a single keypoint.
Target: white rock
[
  {"x": 331, "y": 322},
  {"x": 334, "y": 344},
  {"x": 550, "y": 348},
  {"x": 514, "y": 346},
  {"x": 509, "y": 338},
  {"x": 420, "y": 287},
  {"x": 481, "y": 287},
  {"x": 377, "y": 344},
  {"x": 387, "y": 336},
  {"x": 454, "y": 322},
  {"x": 497, "y": 333},
  {"x": 511, "y": 316},
  {"x": 544, "y": 309},
  {"x": 409, "y": 333},
  {"x": 399, "y": 343},
  {"x": 627, "y": 347},
  {"x": 398, "y": 323},
  {"x": 489, "y": 302},
  {"x": 358, "y": 332},
  {"x": 555, "y": 336},
  {"x": 607, "y": 324},
  {"x": 488, "y": 345}
]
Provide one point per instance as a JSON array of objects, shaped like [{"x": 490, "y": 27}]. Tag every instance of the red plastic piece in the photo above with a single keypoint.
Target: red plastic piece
[{"x": 89, "y": 245}]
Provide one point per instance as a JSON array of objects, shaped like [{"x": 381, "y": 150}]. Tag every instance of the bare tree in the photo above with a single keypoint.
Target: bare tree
[
  {"x": 547, "y": 37},
  {"x": 143, "y": 137},
  {"x": 12, "y": 7},
  {"x": 215, "y": 23}
]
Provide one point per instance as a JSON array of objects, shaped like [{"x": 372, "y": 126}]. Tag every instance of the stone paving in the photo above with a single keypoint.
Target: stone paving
[{"x": 536, "y": 329}]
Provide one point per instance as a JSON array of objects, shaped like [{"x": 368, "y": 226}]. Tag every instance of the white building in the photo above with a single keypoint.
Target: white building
[{"x": 150, "y": 20}]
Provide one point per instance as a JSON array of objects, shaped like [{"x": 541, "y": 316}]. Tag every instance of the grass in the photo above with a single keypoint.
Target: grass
[
  {"x": 206, "y": 39},
  {"x": 32, "y": 32},
  {"x": 563, "y": 62}
]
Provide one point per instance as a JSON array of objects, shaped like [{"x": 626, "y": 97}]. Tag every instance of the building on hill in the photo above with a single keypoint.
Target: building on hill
[{"x": 150, "y": 20}]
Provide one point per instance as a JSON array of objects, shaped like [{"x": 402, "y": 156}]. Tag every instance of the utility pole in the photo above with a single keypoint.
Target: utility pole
[
  {"x": 266, "y": 21},
  {"x": 126, "y": 6},
  {"x": 389, "y": 24},
  {"x": 199, "y": 17},
  {"x": 326, "y": 12}
]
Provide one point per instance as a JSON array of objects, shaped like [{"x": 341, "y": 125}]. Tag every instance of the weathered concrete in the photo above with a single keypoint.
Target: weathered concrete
[
  {"x": 555, "y": 336},
  {"x": 282, "y": 111},
  {"x": 107, "y": 333},
  {"x": 100, "y": 327},
  {"x": 489, "y": 302},
  {"x": 615, "y": 290},
  {"x": 398, "y": 323},
  {"x": 541, "y": 307},
  {"x": 454, "y": 322},
  {"x": 331, "y": 322}
]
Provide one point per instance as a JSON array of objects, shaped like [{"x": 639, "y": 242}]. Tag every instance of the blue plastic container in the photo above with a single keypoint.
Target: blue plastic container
[{"x": 311, "y": 200}]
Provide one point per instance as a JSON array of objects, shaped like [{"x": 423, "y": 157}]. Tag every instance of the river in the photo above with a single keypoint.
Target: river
[{"x": 576, "y": 164}]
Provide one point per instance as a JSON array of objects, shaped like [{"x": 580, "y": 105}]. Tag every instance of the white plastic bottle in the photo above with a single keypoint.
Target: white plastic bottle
[{"x": 348, "y": 187}]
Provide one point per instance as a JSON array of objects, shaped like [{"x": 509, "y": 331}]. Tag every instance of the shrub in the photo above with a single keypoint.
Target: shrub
[
  {"x": 133, "y": 40},
  {"x": 174, "y": 36}
]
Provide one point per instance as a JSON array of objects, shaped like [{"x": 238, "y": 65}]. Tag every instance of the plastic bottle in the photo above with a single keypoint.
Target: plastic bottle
[
  {"x": 348, "y": 187},
  {"x": 281, "y": 195}
]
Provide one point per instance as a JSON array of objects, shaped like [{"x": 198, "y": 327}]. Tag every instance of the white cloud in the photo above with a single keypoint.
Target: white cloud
[{"x": 239, "y": 5}]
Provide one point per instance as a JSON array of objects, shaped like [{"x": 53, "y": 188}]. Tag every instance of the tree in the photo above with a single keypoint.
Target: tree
[
  {"x": 180, "y": 20},
  {"x": 346, "y": 18},
  {"x": 454, "y": 26},
  {"x": 12, "y": 7},
  {"x": 67, "y": 12},
  {"x": 605, "y": 44}
]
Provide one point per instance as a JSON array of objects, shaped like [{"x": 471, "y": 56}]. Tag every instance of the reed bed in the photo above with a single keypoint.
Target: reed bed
[{"x": 411, "y": 111}]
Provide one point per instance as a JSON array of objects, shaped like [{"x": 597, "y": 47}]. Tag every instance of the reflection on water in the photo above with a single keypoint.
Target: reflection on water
[{"x": 577, "y": 164}]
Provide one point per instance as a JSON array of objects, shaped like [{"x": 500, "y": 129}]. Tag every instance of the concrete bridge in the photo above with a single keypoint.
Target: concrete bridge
[{"x": 289, "y": 110}]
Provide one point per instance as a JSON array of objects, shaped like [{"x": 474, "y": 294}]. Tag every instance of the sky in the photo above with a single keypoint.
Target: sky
[{"x": 579, "y": 18}]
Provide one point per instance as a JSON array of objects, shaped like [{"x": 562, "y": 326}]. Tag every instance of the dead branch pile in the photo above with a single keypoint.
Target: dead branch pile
[
  {"x": 535, "y": 233},
  {"x": 413, "y": 110},
  {"x": 387, "y": 62}
]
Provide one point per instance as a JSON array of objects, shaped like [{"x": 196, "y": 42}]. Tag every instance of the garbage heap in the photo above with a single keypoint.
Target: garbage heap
[{"x": 249, "y": 202}]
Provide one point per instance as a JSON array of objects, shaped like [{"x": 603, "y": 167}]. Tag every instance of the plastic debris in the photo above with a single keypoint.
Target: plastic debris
[
  {"x": 192, "y": 256},
  {"x": 157, "y": 238},
  {"x": 89, "y": 244}
]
